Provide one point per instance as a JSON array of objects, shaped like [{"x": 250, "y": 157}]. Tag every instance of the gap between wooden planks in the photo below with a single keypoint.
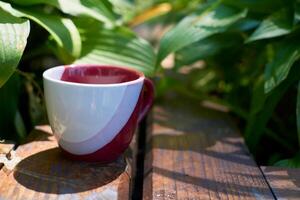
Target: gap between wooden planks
[
  {"x": 284, "y": 182},
  {"x": 196, "y": 153}
]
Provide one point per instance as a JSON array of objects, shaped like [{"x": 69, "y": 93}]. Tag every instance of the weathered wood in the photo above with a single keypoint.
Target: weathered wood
[
  {"x": 5, "y": 149},
  {"x": 196, "y": 153},
  {"x": 285, "y": 182},
  {"x": 43, "y": 173}
]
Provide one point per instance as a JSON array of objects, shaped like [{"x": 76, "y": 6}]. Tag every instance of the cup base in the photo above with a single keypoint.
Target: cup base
[{"x": 92, "y": 158}]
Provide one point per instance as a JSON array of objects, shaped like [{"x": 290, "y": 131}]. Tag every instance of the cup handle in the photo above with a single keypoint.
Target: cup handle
[{"x": 147, "y": 98}]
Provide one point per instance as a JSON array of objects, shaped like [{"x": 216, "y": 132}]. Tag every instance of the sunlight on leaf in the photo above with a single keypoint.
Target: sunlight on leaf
[
  {"x": 276, "y": 71},
  {"x": 61, "y": 29},
  {"x": 215, "y": 19},
  {"x": 118, "y": 46},
  {"x": 98, "y": 9},
  {"x": 13, "y": 38},
  {"x": 279, "y": 23}
]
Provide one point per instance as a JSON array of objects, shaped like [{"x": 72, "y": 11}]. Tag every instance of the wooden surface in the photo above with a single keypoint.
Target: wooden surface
[
  {"x": 285, "y": 182},
  {"x": 5, "y": 149},
  {"x": 195, "y": 153},
  {"x": 43, "y": 173}
]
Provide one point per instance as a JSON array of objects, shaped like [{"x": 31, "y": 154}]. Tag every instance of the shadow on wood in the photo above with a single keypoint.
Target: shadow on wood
[
  {"x": 43, "y": 173},
  {"x": 197, "y": 153},
  {"x": 285, "y": 182},
  {"x": 49, "y": 172}
]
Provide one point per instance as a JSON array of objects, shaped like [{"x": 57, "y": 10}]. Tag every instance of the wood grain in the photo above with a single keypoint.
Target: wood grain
[
  {"x": 285, "y": 182},
  {"x": 5, "y": 148},
  {"x": 196, "y": 153},
  {"x": 43, "y": 173}
]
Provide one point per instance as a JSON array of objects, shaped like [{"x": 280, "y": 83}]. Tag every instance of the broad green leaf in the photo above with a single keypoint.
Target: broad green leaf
[
  {"x": 279, "y": 23},
  {"x": 98, "y": 9},
  {"x": 276, "y": 71},
  {"x": 63, "y": 30},
  {"x": 13, "y": 38},
  {"x": 262, "y": 108},
  {"x": 298, "y": 113},
  {"x": 245, "y": 24},
  {"x": 207, "y": 47},
  {"x": 214, "y": 19},
  {"x": 118, "y": 46}
]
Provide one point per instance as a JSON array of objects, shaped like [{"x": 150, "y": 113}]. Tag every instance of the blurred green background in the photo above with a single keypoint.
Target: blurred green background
[{"x": 242, "y": 55}]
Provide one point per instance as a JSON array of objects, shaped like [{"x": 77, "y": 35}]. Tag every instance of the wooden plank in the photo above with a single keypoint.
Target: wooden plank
[
  {"x": 5, "y": 149},
  {"x": 285, "y": 182},
  {"x": 43, "y": 173},
  {"x": 196, "y": 153}
]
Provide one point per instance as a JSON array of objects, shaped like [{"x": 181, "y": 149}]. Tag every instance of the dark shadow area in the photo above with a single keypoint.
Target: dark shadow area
[
  {"x": 49, "y": 172},
  {"x": 138, "y": 180},
  {"x": 40, "y": 133}
]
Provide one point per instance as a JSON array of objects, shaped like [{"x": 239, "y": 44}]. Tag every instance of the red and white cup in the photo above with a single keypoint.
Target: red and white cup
[{"x": 96, "y": 121}]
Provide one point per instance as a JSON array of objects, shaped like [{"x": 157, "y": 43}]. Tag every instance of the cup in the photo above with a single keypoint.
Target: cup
[{"x": 94, "y": 110}]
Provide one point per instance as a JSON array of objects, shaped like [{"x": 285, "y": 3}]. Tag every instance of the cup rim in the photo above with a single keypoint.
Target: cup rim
[{"x": 48, "y": 78}]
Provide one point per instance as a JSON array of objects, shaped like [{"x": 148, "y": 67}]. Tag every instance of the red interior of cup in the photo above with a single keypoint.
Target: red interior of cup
[{"x": 99, "y": 75}]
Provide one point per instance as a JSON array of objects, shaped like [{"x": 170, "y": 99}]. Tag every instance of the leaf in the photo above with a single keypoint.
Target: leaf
[
  {"x": 297, "y": 12},
  {"x": 279, "y": 23},
  {"x": 298, "y": 112},
  {"x": 63, "y": 30},
  {"x": 207, "y": 47},
  {"x": 13, "y": 38},
  {"x": 118, "y": 46},
  {"x": 291, "y": 163},
  {"x": 98, "y": 9},
  {"x": 276, "y": 71},
  {"x": 262, "y": 108},
  {"x": 245, "y": 24},
  {"x": 215, "y": 19}
]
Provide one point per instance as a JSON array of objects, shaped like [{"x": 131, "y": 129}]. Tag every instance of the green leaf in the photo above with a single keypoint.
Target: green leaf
[
  {"x": 292, "y": 162},
  {"x": 118, "y": 46},
  {"x": 262, "y": 108},
  {"x": 98, "y": 9},
  {"x": 13, "y": 38},
  {"x": 215, "y": 19},
  {"x": 297, "y": 12},
  {"x": 298, "y": 113},
  {"x": 207, "y": 47},
  {"x": 279, "y": 23},
  {"x": 63, "y": 30},
  {"x": 276, "y": 71}
]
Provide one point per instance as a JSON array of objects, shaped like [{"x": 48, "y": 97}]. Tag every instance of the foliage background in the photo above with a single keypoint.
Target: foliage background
[{"x": 242, "y": 54}]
